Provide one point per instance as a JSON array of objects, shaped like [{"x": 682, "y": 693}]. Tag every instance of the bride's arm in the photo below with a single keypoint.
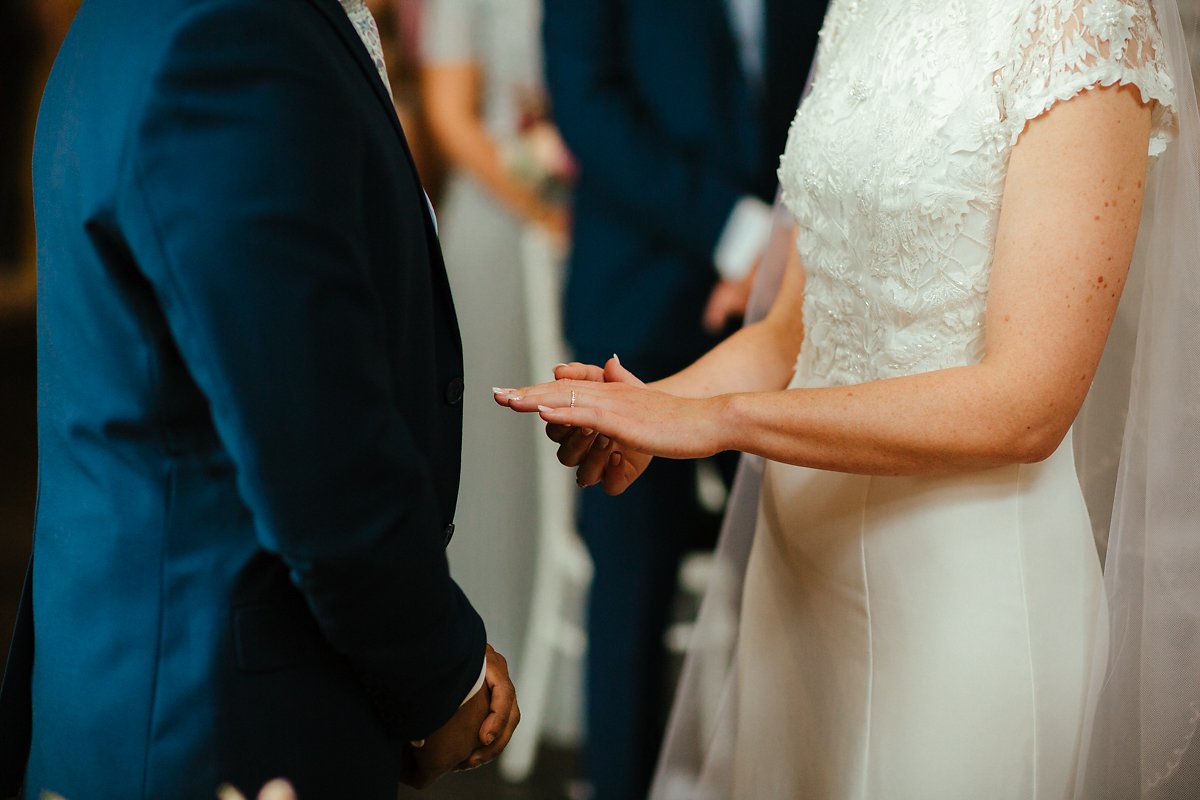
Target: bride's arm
[
  {"x": 1068, "y": 223},
  {"x": 759, "y": 358},
  {"x": 1069, "y": 220}
]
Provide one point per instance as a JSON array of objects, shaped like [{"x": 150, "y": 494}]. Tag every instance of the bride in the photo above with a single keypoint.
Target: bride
[{"x": 923, "y": 600}]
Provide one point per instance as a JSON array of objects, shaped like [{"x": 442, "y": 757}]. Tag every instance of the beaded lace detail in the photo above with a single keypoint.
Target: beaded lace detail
[{"x": 895, "y": 163}]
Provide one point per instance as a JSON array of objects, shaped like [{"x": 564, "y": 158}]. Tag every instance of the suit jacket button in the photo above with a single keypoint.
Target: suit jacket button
[
  {"x": 454, "y": 391},
  {"x": 448, "y": 534}
]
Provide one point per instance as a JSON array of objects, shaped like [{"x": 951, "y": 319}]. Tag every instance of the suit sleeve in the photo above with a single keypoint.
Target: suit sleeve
[
  {"x": 241, "y": 203},
  {"x": 656, "y": 184}
]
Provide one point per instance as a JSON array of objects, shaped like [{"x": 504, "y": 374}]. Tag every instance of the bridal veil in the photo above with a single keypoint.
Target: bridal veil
[{"x": 1137, "y": 443}]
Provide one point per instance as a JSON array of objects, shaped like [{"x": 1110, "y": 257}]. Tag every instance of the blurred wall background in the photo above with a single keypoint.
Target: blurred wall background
[{"x": 30, "y": 33}]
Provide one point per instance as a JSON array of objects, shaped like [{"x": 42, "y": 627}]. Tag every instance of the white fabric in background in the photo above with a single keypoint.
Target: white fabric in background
[{"x": 748, "y": 19}]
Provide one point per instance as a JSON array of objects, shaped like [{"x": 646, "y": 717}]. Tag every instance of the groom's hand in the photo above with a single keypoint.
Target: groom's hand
[
  {"x": 447, "y": 747},
  {"x": 503, "y": 713}
]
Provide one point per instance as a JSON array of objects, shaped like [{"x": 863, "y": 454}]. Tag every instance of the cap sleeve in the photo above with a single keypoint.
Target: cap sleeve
[
  {"x": 448, "y": 29},
  {"x": 1064, "y": 47}
]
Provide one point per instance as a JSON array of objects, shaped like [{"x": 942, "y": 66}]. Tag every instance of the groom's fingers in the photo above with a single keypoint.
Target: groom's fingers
[
  {"x": 559, "y": 433},
  {"x": 503, "y": 714},
  {"x": 591, "y": 467},
  {"x": 575, "y": 447},
  {"x": 505, "y": 709}
]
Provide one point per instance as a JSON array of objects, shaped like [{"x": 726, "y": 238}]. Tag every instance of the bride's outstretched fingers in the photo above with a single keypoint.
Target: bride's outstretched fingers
[
  {"x": 615, "y": 372},
  {"x": 644, "y": 419}
]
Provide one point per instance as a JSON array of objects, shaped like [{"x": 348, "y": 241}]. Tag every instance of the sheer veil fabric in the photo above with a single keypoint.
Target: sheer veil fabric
[
  {"x": 696, "y": 759},
  {"x": 1143, "y": 736},
  {"x": 1137, "y": 446}
]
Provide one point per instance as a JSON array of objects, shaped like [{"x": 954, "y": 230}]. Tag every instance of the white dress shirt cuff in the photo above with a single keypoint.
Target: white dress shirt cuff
[
  {"x": 478, "y": 684},
  {"x": 474, "y": 691},
  {"x": 744, "y": 238}
]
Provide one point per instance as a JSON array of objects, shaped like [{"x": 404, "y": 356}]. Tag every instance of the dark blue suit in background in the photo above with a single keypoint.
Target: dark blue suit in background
[
  {"x": 651, "y": 97},
  {"x": 250, "y": 385}
]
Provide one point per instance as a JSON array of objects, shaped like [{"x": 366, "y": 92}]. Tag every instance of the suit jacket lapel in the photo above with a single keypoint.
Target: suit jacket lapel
[{"x": 345, "y": 29}]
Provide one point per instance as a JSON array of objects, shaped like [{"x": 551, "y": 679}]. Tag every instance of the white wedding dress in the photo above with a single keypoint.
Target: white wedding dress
[{"x": 916, "y": 638}]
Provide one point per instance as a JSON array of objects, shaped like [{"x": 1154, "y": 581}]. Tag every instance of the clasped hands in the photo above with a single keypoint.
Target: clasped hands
[
  {"x": 609, "y": 424},
  {"x": 476, "y": 734}
]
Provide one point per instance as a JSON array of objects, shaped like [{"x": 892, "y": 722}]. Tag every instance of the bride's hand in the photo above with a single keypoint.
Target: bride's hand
[
  {"x": 598, "y": 458},
  {"x": 637, "y": 417}
]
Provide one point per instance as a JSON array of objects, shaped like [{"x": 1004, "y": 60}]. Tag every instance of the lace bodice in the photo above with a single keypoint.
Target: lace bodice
[{"x": 895, "y": 163}]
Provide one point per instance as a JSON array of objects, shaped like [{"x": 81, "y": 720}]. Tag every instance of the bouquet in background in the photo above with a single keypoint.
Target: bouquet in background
[{"x": 535, "y": 155}]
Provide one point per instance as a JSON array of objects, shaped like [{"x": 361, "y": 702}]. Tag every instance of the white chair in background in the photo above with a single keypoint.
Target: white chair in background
[{"x": 563, "y": 569}]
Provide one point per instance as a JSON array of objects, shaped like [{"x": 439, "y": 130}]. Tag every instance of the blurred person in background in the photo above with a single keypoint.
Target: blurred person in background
[
  {"x": 400, "y": 35},
  {"x": 509, "y": 175},
  {"x": 677, "y": 113},
  {"x": 30, "y": 33}
]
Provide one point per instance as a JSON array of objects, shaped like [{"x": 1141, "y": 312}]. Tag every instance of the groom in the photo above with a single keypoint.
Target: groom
[{"x": 250, "y": 411}]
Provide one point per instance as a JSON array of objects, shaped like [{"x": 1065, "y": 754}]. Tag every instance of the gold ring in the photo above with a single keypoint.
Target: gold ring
[{"x": 572, "y": 398}]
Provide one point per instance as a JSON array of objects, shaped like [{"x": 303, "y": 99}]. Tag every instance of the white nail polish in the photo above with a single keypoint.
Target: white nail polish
[{"x": 546, "y": 409}]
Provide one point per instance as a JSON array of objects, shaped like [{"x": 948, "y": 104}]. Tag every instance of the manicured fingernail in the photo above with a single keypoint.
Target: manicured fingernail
[
  {"x": 560, "y": 364},
  {"x": 545, "y": 409},
  {"x": 615, "y": 459},
  {"x": 603, "y": 442},
  {"x": 616, "y": 359},
  {"x": 491, "y": 737},
  {"x": 498, "y": 390},
  {"x": 586, "y": 431},
  {"x": 418, "y": 743}
]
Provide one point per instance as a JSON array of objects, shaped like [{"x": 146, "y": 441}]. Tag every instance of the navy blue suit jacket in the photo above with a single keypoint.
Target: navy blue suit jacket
[
  {"x": 652, "y": 99},
  {"x": 250, "y": 384}
]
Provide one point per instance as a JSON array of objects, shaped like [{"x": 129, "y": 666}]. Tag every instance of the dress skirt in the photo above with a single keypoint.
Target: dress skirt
[{"x": 917, "y": 638}]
